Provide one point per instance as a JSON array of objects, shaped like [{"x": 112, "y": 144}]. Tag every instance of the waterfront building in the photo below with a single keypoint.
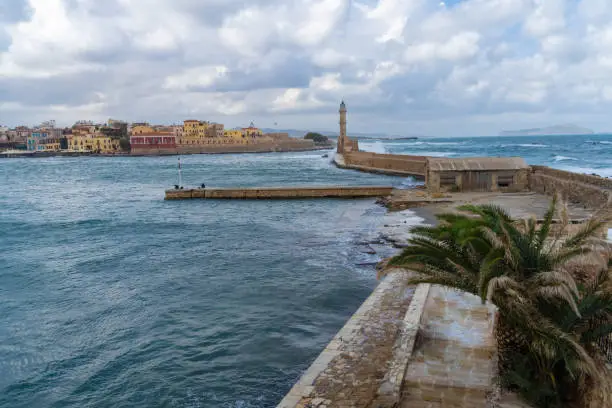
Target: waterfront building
[
  {"x": 34, "y": 139},
  {"x": 95, "y": 143},
  {"x": 235, "y": 134},
  {"x": 141, "y": 128},
  {"x": 215, "y": 130},
  {"x": 252, "y": 132},
  {"x": 194, "y": 132},
  {"x": 51, "y": 144},
  {"x": 476, "y": 174},
  {"x": 177, "y": 131},
  {"x": 21, "y": 134},
  {"x": 154, "y": 142}
]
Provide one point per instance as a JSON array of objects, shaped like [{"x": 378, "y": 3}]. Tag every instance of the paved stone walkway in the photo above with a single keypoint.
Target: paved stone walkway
[
  {"x": 350, "y": 370},
  {"x": 453, "y": 364}
]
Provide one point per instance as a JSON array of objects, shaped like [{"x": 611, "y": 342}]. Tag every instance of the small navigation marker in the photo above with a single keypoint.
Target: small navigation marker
[{"x": 180, "y": 176}]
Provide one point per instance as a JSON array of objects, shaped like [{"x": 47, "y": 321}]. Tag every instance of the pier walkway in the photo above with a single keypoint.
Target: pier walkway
[{"x": 267, "y": 193}]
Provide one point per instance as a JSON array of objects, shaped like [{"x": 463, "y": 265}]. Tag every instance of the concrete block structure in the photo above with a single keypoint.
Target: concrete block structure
[{"x": 477, "y": 174}]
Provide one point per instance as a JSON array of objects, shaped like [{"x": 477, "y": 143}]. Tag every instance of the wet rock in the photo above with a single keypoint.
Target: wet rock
[{"x": 367, "y": 249}]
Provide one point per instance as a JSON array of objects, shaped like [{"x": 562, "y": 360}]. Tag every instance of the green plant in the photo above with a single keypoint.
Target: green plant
[
  {"x": 548, "y": 324},
  {"x": 317, "y": 138}
]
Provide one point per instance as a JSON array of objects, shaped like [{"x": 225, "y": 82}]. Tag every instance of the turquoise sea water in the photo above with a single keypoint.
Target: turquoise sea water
[
  {"x": 112, "y": 297},
  {"x": 582, "y": 154}
]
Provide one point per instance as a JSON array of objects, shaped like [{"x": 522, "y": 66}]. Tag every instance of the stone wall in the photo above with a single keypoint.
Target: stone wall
[
  {"x": 277, "y": 145},
  {"x": 390, "y": 163},
  {"x": 591, "y": 191},
  {"x": 148, "y": 151},
  {"x": 567, "y": 175}
]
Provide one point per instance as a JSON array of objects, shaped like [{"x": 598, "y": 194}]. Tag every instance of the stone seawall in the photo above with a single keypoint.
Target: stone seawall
[
  {"x": 591, "y": 191},
  {"x": 267, "y": 193},
  {"x": 581, "y": 178},
  {"x": 294, "y": 145},
  {"x": 392, "y": 164}
]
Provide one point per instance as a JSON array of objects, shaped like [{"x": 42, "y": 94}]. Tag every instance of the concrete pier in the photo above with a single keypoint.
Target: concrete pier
[{"x": 266, "y": 193}]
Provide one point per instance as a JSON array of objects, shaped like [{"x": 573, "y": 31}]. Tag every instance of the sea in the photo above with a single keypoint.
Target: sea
[{"x": 112, "y": 297}]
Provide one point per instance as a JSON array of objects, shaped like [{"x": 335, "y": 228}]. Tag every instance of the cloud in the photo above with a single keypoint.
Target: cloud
[{"x": 445, "y": 68}]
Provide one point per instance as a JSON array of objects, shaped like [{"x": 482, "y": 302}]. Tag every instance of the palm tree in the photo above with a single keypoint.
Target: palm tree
[{"x": 520, "y": 268}]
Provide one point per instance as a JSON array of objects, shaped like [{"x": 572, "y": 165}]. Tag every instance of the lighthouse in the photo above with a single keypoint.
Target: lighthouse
[{"x": 342, "y": 137}]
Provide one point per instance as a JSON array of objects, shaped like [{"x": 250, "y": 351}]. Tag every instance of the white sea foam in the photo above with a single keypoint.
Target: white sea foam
[
  {"x": 438, "y": 154},
  {"x": 604, "y": 172},
  {"x": 409, "y": 183},
  {"x": 443, "y": 143},
  {"x": 398, "y": 224},
  {"x": 423, "y": 143},
  {"x": 605, "y": 142},
  {"x": 373, "y": 147},
  {"x": 558, "y": 158},
  {"x": 524, "y": 145}
]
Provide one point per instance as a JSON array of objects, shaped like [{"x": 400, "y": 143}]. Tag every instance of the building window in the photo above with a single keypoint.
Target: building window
[{"x": 505, "y": 181}]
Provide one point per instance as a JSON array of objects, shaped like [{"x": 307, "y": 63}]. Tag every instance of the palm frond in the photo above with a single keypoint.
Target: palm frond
[{"x": 542, "y": 234}]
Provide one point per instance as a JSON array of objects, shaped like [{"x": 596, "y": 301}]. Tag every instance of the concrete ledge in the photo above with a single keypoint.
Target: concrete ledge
[
  {"x": 389, "y": 393},
  {"x": 280, "y": 192}
]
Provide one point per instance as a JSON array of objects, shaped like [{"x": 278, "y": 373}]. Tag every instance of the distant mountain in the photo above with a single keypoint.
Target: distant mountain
[{"x": 549, "y": 131}]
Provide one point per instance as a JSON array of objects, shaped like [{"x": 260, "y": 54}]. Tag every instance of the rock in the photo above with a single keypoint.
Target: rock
[
  {"x": 367, "y": 249},
  {"x": 366, "y": 263}
]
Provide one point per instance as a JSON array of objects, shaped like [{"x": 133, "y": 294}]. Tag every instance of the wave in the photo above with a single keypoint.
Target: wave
[
  {"x": 422, "y": 143},
  {"x": 375, "y": 147},
  {"x": 409, "y": 183},
  {"x": 438, "y": 154},
  {"x": 558, "y": 158},
  {"x": 603, "y": 172},
  {"x": 442, "y": 143},
  {"x": 524, "y": 145},
  {"x": 596, "y": 142}
]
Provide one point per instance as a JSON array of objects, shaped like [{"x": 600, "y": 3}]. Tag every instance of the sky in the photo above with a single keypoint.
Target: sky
[{"x": 404, "y": 67}]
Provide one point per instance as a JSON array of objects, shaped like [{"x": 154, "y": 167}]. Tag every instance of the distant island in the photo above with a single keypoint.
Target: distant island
[{"x": 556, "y": 130}]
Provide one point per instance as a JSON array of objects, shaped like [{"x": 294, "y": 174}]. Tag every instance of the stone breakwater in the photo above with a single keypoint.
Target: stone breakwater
[
  {"x": 589, "y": 190},
  {"x": 392, "y": 164},
  {"x": 266, "y": 193}
]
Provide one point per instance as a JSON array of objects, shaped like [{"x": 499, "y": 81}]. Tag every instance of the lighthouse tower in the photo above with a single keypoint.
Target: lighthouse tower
[{"x": 342, "y": 137}]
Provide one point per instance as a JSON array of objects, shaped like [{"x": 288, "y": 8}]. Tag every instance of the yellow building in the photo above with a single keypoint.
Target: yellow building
[
  {"x": 141, "y": 128},
  {"x": 194, "y": 132},
  {"x": 94, "y": 143},
  {"x": 51, "y": 146}
]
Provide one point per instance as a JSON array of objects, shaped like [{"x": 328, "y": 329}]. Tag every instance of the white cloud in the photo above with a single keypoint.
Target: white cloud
[
  {"x": 198, "y": 77},
  {"x": 475, "y": 65}
]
